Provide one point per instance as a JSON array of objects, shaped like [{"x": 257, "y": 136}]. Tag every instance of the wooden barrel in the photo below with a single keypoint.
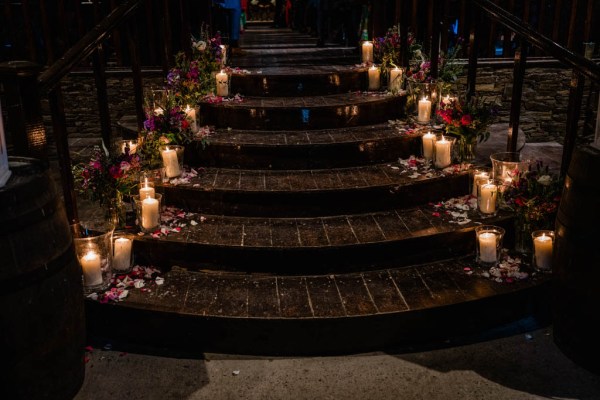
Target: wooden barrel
[
  {"x": 576, "y": 272},
  {"x": 42, "y": 325}
]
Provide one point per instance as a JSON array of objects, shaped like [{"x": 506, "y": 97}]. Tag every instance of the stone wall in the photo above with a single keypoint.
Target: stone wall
[{"x": 544, "y": 105}]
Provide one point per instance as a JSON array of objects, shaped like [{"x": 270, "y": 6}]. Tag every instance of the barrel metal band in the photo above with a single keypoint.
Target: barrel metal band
[{"x": 31, "y": 217}]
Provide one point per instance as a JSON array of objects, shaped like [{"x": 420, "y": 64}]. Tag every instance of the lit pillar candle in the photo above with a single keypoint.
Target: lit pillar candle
[
  {"x": 543, "y": 252},
  {"x": 150, "y": 213},
  {"x": 395, "y": 80},
  {"x": 146, "y": 190},
  {"x": 428, "y": 142},
  {"x": 122, "y": 254},
  {"x": 442, "y": 153},
  {"x": 132, "y": 147},
  {"x": 222, "y": 84},
  {"x": 479, "y": 177},
  {"x": 374, "y": 75},
  {"x": 488, "y": 193},
  {"x": 424, "y": 109},
  {"x": 487, "y": 246},
  {"x": 171, "y": 163},
  {"x": 223, "y": 55},
  {"x": 367, "y": 52},
  {"x": 190, "y": 113},
  {"x": 91, "y": 265}
]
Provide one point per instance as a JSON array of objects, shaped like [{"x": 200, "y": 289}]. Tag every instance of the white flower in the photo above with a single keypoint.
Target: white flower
[
  {"x": 545, "y": 180},
  {"x": 200, "y": 45}
]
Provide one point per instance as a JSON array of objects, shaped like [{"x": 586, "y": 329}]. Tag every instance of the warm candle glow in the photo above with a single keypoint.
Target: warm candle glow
[{"x": 424, "y": 110}]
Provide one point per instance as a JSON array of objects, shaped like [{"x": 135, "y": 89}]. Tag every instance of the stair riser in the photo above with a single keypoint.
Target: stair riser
[
  {"x": 299, "y": 85},
  {"x": 298, "y": 118},
  {"x": 308, "y": 260},
  {"x": 312, "y": 203},
  {"x": 137, "y": 330},
  {"x": 310, "y": 156}
]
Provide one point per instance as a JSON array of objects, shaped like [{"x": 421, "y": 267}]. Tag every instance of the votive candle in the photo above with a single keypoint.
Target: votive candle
[
  {"x": 91, "y": 265},
  {"x": 374, "y": 78},
  {"x": 424, "y": 110},
  {"x": 443, "y": 153},
  {"x": 487, "y": 246},
  {"x": 488, "y": 194},
  {"x": 122, "y": 254}
]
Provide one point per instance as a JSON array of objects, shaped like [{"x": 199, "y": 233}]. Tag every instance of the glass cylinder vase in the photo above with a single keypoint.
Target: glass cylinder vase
[{"x": 93, "y": 246}]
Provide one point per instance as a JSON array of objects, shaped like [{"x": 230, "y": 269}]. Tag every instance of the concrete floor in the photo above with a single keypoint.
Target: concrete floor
[{"x": 514, "y": 362}]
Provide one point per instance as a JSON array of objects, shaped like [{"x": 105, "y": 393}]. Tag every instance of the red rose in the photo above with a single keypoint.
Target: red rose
[{"x": 466, "y": 120}]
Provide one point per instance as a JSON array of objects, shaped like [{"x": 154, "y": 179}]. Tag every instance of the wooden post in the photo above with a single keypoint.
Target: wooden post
[
  {"x": 28, "y": 28},
  {"x": 517, "y": 93},
  {"x": 572, "y": 24},
  {"x": 473, "y": 50},
  {"x": 573, "y": 112},
  {"x": 102, "y": 95},
  {"x": 4, "y": 171},
  {"x": 167, "y": 37},
  {"x": 136, "y": 69},
  {"x": 436, "y": 13}
]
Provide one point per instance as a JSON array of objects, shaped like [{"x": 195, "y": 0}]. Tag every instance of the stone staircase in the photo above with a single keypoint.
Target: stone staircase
[{"x": 301, "y": 230}]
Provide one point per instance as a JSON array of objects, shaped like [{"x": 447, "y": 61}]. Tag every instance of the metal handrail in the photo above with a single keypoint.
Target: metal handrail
[
  {"x": 576, "y": 61},
  {"x": 86, "y": 45}
]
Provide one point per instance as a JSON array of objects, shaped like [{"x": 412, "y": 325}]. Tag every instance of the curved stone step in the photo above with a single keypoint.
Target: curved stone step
[
  {"x": 302, "y": 193},
  {"x": 312, "y": 149},
  {"x": 299, "y": 81},
  {"x": 308, "y": 315},
  {"x": 294, "y": 57},
  {"x": 319, "y": 245},
  {"x": 301, "y": 113}
]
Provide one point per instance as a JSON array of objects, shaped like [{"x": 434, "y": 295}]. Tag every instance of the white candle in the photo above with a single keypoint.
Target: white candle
[
  {"x": 146, "y": 190},
  {"x": 223, "y": 55},
  {"x": 543, "y": 252},
  {"x": 171, "y": 163},
  {"x": 424, "y": 110},
  {"x": 132, "y": 147},
  {"x": 395, "y": 80},
  {"x": 443, "y": 153},
  {"x": 428, "y": 142},
  {"x": 487, "y": 246},
  {"x": 488, "y": 193},
  {"x": 158, "y": 111},
  {"x": 367, "y": 52},
  {"x": 150, "y": 213},
  {"x": 479, "y": 177},
  {"x": 374, "y": 75},
  {"x": 190, "y": 114},
  {"x": 91, "y": 265},
  {"x": 122, "y": 254},
  {"x": 222, "y": 84}
]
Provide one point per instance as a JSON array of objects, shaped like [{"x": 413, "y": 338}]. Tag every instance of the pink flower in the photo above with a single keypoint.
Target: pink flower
[{"x": 466, "y": 120}]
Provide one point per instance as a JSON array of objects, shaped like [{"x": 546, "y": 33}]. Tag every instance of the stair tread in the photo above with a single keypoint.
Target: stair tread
[
  {"x": 333, "y": 231},
  {"x": 397, "y": 174},
  {"x": 301, "y": 70},
  {"x": 341, "y": 295},
  {"x": 332, "y": 100},
  {"x": 316, "y": 136}
]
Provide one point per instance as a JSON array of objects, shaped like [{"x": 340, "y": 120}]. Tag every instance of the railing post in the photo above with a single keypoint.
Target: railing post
[
  {"x": 473, "y": 50},
  {"x": 25, "y": 124},
  {"x": 136, "y": 69},
  {"x": 101, "y": 94},
  {"x": 404, "y": 32},
  {"x": 59, "y": 129},
  {"x": 573, "y": 114},
  {"x": 517, "y": 93},
  {"x": 436, "y": 14},
  {"x": 166, "y": 36}
]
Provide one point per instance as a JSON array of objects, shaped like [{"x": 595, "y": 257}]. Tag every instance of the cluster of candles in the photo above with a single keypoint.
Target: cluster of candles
[
  {"x": 374, "y": 73},
  {"x": 149, "y": 207},
  {"x": 437, "y": 150},
  {"x": 96, "y": 257}
]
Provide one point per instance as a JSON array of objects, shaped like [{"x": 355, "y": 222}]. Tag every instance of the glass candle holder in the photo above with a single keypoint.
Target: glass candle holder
[
  {"x": 442, "y": 151},
  {"x": 543, "y": 244},
  {"x": 93, "y": 246},
  {"x": 146, "y": 189},
  {"x": 122, "y": 253},
  {"x": 395, "y": 79},
  {"x": 148, "y": 212},
  {"x": 478, "y": 175},
  {"x": 488, "y": 244},
  {"x": 125, "y": 146},
  {"x": 172, "y": 156},
  {"x": 423, "y": 99},
  {"x": 487, "y": 198},
  {"x": 428, "y": 142},
  {"x": 507, "y": 165}
]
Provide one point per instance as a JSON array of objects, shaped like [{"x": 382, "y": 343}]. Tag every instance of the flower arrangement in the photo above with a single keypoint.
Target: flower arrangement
[
  {"x": 192, "y": 77},
  {"x": 534, "y": 195},
  {"x": 468, "y": 120},
  {"x": 168, "y": 124},
  {"x": 420, "y": 66},
  {"x": 105, "y": 178},
  {"x": 386, "y": 49}
]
